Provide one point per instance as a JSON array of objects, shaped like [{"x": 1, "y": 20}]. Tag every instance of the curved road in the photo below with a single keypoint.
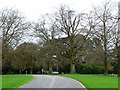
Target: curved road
[{"x": 46, "y": 81}]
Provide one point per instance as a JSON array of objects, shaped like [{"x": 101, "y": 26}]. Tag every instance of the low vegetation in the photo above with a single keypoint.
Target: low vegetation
[
  {"x": 95, "y": 81},
  {"x": 14, "y": 81}
]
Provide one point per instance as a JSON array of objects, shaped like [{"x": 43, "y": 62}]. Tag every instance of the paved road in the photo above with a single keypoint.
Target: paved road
[{"x": 46, "y": 81}]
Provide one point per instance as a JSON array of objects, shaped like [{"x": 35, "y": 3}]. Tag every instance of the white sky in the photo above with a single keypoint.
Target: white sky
[{"x": 33, "y": 9}]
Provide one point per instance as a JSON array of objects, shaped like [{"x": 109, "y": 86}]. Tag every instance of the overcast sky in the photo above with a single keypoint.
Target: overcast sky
[{"x": 33, "y": 9}]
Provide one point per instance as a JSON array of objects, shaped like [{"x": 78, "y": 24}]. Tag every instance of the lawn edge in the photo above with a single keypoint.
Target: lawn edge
[
  {"x": 20, "y": 84},
  {"x": 27, "y": 81}
]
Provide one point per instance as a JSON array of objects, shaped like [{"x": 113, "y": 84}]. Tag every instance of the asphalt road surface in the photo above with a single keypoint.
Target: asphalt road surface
[{"x": 47, "y": 81}]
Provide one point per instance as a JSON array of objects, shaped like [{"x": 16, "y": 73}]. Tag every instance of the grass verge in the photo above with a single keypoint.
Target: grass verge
[
  {"x": 14, "y": 81},
  {"x": 95, "y": 81}
]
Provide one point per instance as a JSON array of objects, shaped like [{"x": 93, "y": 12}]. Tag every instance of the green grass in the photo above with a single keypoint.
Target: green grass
[
  {"x": 0, "y": 81},
  {"x": 14, "y": 81},
  {"x": 89, "y": 81},
  {"x": 95, "y": 81}
]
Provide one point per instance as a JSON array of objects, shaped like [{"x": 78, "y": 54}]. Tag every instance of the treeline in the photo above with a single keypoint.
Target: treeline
[{"x": 69, "y": 42}]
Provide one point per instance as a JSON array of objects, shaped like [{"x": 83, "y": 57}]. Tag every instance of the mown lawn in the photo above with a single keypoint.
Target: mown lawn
[
  {"x": 0, "y": 81},
  {"x": 95, "y": 81},
  {"x": 14, "y": 81}
]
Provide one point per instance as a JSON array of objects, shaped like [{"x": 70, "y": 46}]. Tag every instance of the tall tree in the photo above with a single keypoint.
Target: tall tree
[
  {"x": 107, "y": 22},
  {"x": 46, "y": 33},
  {"x": 12, "y": 25},
  {"x": 0, "y": 56},
  {"x": 71, "y": 25},
  {"x": 117, "y": 40}
]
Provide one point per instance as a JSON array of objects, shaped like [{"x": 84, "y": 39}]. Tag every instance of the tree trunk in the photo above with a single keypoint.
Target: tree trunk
[
  {"x": 106, "y": 64},
  {"x": 105, "y": 50},
  {"x": 118, "y": 50},
  {"x": 72, "y": 68},
  {"x": 118, "y": 56},
  {"x": 119, "y": 66},
  {"x": 31, "y": 71},
  {"x": 50, "y": 70}
]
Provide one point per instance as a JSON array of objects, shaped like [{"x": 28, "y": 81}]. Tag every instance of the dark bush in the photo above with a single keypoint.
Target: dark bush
[{"x": 89, "y": 69}]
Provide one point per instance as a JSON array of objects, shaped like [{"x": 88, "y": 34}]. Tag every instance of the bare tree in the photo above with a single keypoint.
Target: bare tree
[
  {"x": 12, "y": 26},
  {"x": 107, "y": 22},
  {"x": 0, "y": 56},
  {"x": 46, "y": 33},
  {"x": 71, "y": 25},
  {"x": 117, "y": 40},
  {"x": 116, "y": 43}
]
